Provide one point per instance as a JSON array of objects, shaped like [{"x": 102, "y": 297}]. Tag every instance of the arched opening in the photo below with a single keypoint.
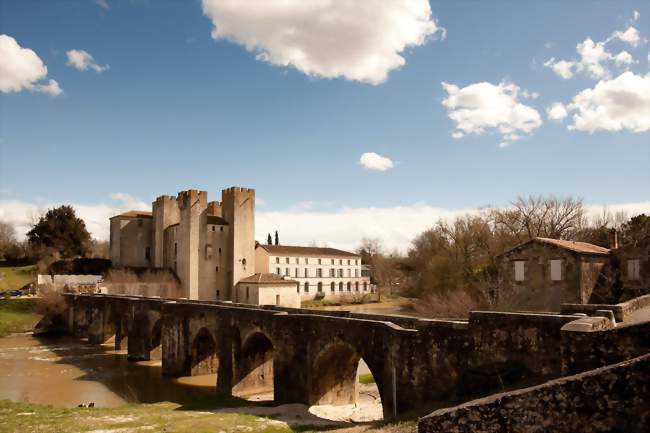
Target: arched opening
[
  {"x": 320, "y": 287},
  {"x": 341, "y": 286},
  {"x": 204, "y": 354},
  {"x": 356, "y": 286},
  {"x": 255, "y": 368},
  {"x": 349, "y": 286},
  {"x": 154, "y": 343},
  {"x": 332, "y": 286},
  {"x": 340, "y": 377}
]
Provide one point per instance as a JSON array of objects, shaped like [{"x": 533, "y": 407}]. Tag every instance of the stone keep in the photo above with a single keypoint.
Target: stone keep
[{"x": 210, "y": 245}]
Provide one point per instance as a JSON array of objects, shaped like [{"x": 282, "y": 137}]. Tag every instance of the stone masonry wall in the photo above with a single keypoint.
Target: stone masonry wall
[{"x": 610, "y": 399}]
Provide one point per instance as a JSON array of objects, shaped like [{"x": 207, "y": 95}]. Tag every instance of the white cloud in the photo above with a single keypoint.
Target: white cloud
[
  {"x": 357, "y": 40},
  {"x": 563, "y": 68},
  {"x": 344, "y": 228},
  {"x": 21, "y": 214},
  {"x": 556, "y": 111},
  {"x": 624, "y": 58},
  {"x": 636, "y": 16},
  {"x": 480, "y": 107},
  {"x": 374, "y": 161},
  {"x": 630, "y": 36},
  {"x": 594, "y": 56},
  {"x": 22, "y": 69},
  {"x": 83, "y": 60},
  {"x": 622, "y": 103}
]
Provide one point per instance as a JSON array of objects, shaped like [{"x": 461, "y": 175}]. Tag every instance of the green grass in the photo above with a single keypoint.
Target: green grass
[
  {"x": 159, "y": 417},
  {"x": 14, "y": 277},
  {"x": 16, "y": 315},
  {"x": 366, "y": 379}
]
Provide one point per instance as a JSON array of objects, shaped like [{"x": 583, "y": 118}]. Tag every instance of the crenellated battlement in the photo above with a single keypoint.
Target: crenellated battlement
[
  {"x": 165, "y": 198},
  {"x": 191, "y": 197},
  {"x": 237, "y": 189}
]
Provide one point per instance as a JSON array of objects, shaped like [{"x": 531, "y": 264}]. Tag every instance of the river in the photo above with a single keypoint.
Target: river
[{"x": 65, "y": 372}]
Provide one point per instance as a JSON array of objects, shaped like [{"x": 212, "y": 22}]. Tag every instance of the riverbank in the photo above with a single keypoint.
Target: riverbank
[
  {"x": 44, "y": 379},
  {"x": 17, "y": 315},
  {"x": 166, "y": 417}
]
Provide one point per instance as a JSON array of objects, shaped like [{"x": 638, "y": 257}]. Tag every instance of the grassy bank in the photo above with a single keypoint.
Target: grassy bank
[
  {"x": 14, "y": 277},
  {"x": 160, "y": 417},
  {"x": 17, "y": 315}
]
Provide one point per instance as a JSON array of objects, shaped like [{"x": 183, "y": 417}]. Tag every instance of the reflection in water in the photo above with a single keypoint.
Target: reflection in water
[{"x": 64, "y": 371}]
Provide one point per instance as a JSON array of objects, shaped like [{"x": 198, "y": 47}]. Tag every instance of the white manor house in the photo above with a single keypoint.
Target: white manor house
[{"x": 320, "y": 272}]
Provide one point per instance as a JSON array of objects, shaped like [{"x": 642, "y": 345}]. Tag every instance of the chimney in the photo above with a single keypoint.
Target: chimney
[{"x": 613, "y": 239}]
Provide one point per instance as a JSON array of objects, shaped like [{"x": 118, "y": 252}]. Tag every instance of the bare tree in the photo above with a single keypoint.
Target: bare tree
[
  {"x": 537, "y": 216},
  {"x": 7, "y": 237}
]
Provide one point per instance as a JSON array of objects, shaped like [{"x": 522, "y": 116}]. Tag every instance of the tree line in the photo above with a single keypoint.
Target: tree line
[{"x": 460, "y": 255}]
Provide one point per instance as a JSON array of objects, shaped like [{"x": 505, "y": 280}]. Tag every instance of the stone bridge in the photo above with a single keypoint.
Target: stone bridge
[{"x": 311, "y": 357}]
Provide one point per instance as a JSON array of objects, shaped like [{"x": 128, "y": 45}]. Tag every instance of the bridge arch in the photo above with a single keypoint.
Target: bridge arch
[
  {"x": 155, "y": 340},
  {"x": 204, "y": 359},
  {"x": 254, "y": 369},
  {"x": 334, "y": 375}
]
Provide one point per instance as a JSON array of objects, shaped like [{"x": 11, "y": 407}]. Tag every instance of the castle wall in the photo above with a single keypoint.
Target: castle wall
[
  {"x": 135, "y": 238},
  {"x": 239, "y": 210},
  {"x": 210, "y": 246},
  {"x": 165, "y": 213},
  {"x": 115, "y": 240},
  {"x": 213, "y": 262},
  {"x": 192, "y": 205}
]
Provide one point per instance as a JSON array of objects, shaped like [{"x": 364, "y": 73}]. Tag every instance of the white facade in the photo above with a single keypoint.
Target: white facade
[
  {"x": 267, "y": 289},
  {"x": 320, "y": 272}
]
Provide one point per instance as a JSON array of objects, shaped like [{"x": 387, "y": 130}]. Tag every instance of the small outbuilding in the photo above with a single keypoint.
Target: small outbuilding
[
  {"x": 268, "y": 289},
  {"x": 543, "y": 273}
]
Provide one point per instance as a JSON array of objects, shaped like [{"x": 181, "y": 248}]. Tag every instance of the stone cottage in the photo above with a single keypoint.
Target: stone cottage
[{"x": 543, "y": 273}]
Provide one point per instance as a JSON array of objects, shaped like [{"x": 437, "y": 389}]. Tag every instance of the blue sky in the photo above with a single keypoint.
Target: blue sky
[{"x": 178, "y": 109}]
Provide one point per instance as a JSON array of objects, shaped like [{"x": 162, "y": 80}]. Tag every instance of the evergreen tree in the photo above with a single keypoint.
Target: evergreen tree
[
  {"x": 277, "y": 238},
  {"x": 61, "y": 230},
  {"x": 269, "y": 240}
]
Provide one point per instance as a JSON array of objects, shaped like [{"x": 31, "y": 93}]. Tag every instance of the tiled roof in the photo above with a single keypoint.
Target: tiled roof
[
  {"x": 578, "y": 247},
  {"x": 289, "y": 250},
  {"x": 212, "y": 219},
  {"x": 267, "y": 279},
  {"x": 135, "y": 214}
]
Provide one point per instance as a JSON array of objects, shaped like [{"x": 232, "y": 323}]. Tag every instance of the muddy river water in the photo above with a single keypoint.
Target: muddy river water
[{"x": 65, "y": 372}]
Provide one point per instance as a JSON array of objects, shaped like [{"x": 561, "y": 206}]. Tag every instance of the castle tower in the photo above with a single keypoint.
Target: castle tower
[
  {"x": 238, "y": 208},
  {"x": 192, "y": 205},
  {"x": 165, "y": 213},
  {"x": 214, "y": 208}
]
